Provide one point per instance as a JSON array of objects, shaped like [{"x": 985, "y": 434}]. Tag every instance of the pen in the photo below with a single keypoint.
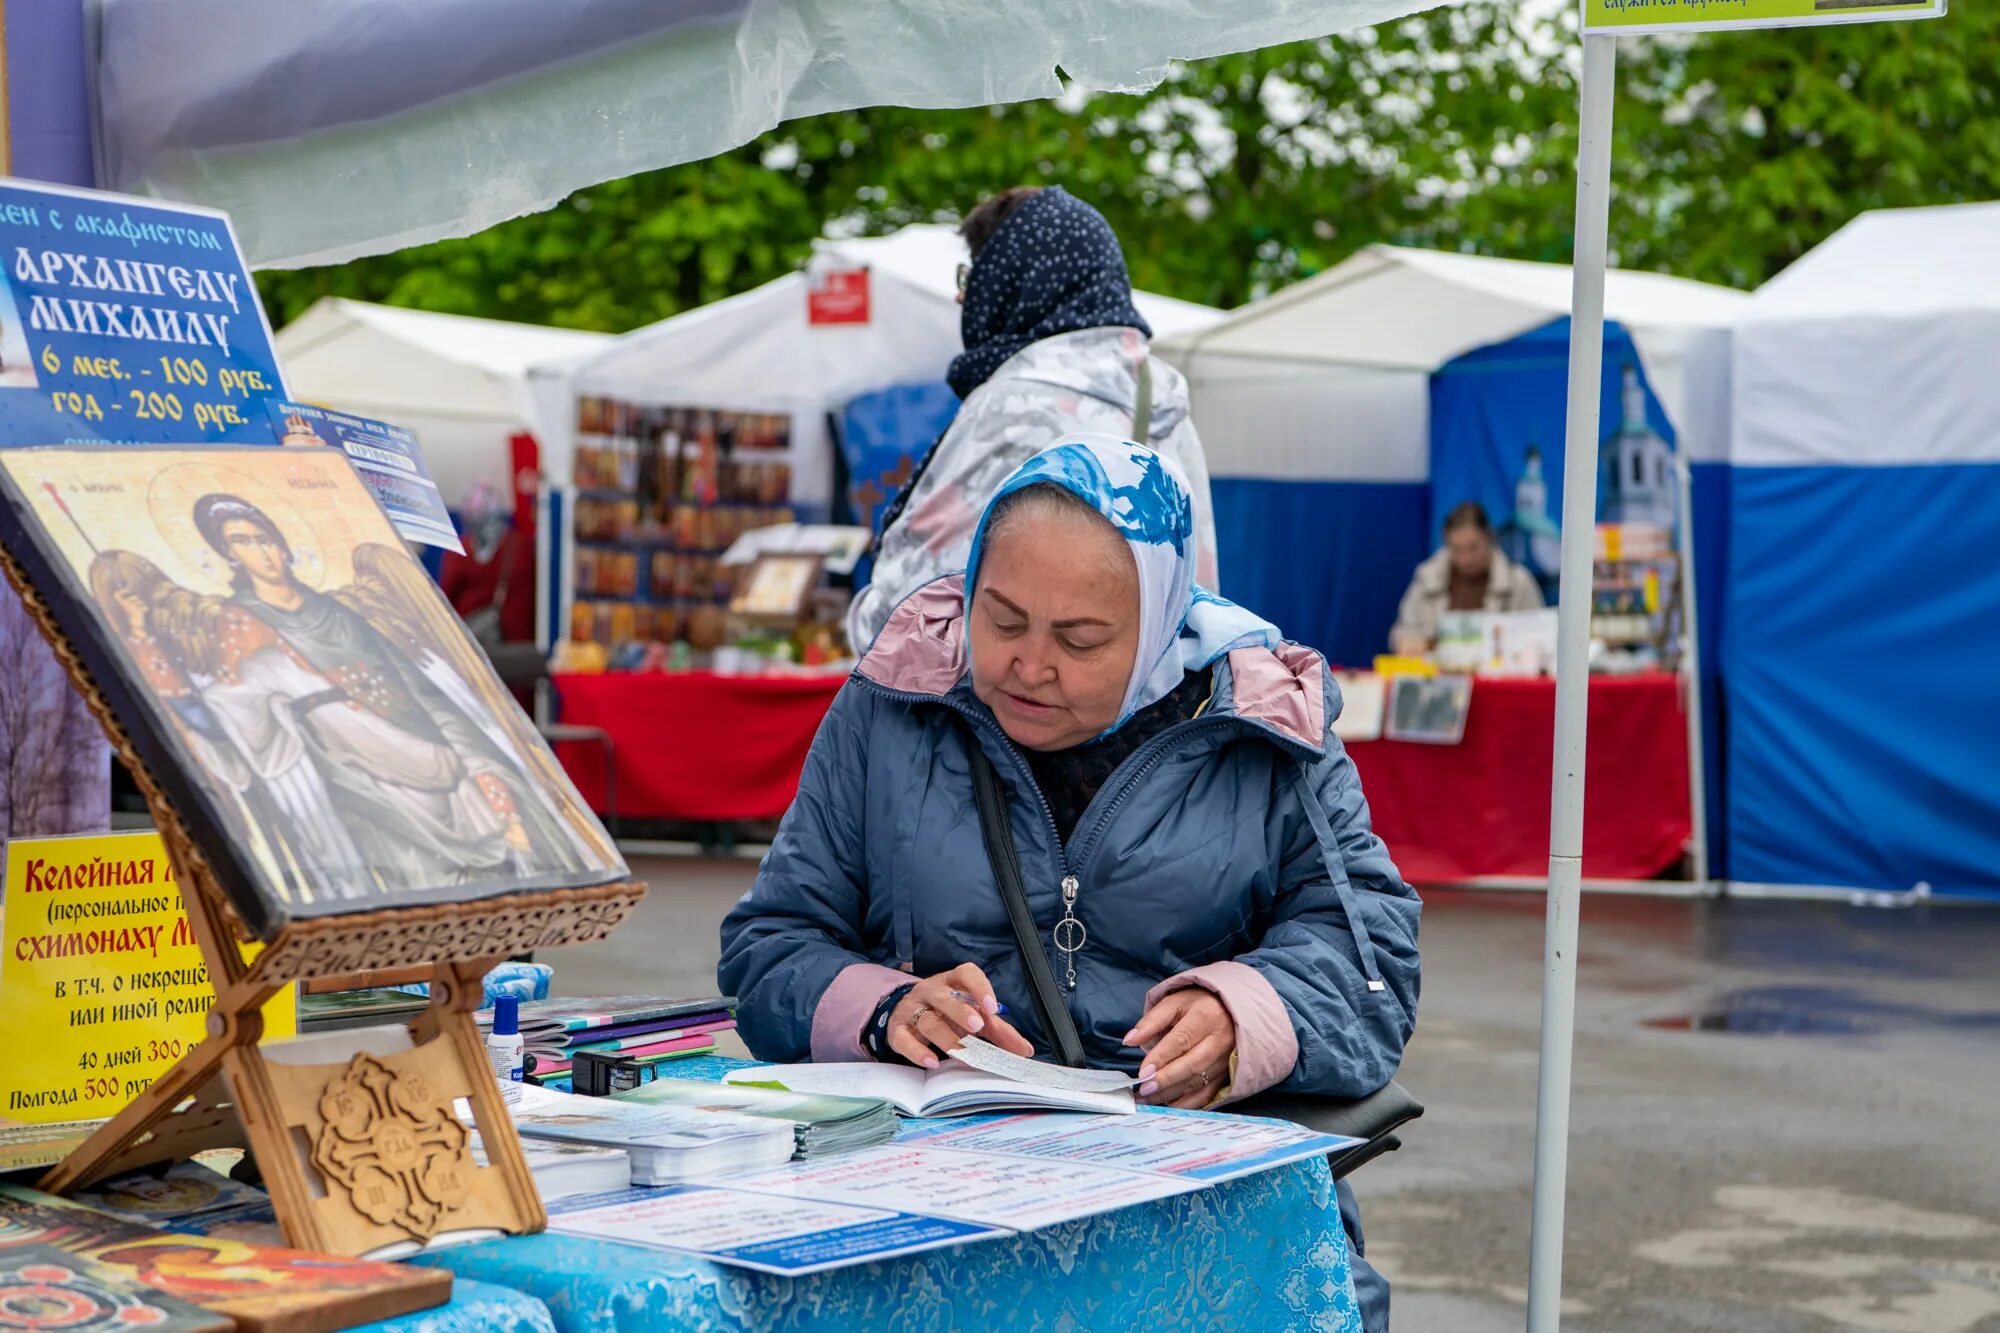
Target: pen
[{"x": 999, "y": 1005}]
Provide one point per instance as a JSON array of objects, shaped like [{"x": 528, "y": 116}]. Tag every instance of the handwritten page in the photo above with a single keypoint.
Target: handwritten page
[
  {"x": 988, "y": 1058},
  {"x": 953, "y": 1088}
]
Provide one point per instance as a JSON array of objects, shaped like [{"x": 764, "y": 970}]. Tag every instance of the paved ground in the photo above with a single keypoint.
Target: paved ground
[{"x": 1785, "y": 1114}]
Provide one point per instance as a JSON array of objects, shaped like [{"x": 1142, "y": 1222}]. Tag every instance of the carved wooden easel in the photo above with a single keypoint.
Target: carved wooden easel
[{"x": 368, "y": 1152}]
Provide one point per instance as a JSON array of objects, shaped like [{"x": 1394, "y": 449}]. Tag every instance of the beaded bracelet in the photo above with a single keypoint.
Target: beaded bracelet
[{"x": 875, "y": 1037}]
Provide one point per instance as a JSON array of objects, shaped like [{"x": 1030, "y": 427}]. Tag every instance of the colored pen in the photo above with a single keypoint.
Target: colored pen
[{"x": 1000, "y": 1006}]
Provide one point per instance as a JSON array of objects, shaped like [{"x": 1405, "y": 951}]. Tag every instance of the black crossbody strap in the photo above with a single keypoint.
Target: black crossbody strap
[{"x": 992, "y": 799}]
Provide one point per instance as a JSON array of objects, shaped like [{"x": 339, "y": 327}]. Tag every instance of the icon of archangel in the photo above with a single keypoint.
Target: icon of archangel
[{"x": 305, "y": 674}]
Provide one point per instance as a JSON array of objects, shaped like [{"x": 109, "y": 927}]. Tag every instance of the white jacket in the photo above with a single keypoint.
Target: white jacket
[{"x": 1086, "y": 381}]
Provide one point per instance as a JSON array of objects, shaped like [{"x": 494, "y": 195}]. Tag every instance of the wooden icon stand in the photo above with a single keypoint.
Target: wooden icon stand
[{"x": 368, "y": 1152}]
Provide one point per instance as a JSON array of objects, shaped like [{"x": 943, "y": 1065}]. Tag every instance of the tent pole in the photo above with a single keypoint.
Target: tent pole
[
  {"x": 1579, "y": 518},
  {"x": 1691, "y": 671}
]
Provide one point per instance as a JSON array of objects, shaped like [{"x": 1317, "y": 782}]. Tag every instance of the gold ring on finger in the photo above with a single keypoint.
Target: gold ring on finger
[
  {"x": 917, "y": 1014},
  {"x": 1204, "y": 1078}
]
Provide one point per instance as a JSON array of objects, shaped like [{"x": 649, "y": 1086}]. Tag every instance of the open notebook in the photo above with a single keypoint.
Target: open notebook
[{"x": 1003, "y": 1082}]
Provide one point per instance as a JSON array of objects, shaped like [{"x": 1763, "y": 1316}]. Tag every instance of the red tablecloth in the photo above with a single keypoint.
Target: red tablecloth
[
  {"x": 1481, "y": 807},
  {"x": 695, "y": 746},
  {"x": 705, "y": 747}
]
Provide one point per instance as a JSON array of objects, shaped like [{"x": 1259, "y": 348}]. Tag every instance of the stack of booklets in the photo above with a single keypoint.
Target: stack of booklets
[
  {"x": 181, "y": 1282},
  {"x": 823, "y": 1126},
  {"x": 667, "y": 1144},
  {"x": 332, "y": 1011},
  {"x": 25, "y": 1147},
  {"x": 643, "y": 1028},
  {"x": 562, "y": 1170},
  {"x": 166, "y": 1198}
]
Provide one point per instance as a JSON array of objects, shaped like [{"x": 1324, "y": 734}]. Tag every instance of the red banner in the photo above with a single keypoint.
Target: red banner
[{"x": 838, "y": 296}]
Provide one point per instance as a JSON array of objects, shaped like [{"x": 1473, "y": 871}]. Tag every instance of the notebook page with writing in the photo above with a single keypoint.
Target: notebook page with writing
[{"x": 988, "y": 1058}]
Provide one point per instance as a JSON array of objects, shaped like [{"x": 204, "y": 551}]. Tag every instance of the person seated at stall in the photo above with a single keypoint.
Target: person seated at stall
[
  {"x": 1193, "y": 840},
  {"x": 1468, "y": 573}
]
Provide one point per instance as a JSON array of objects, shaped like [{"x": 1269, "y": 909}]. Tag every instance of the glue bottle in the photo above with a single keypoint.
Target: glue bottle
[{"x": 503, "y": 1044}]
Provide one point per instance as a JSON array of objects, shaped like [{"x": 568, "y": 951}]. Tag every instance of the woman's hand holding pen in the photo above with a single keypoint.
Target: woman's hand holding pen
[{"x": 939, "y": 1011}]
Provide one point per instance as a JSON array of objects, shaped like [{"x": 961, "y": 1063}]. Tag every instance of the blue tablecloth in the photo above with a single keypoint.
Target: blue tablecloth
[
  {"x": 475, "y": 1307},
  {"x": 1265, "y": 1253}
]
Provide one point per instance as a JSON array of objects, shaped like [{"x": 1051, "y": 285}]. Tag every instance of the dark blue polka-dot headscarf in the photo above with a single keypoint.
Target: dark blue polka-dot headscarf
[{"x": 1052, "y": 267}]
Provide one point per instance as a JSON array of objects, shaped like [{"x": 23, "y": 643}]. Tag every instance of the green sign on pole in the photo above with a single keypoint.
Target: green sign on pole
[{"x": 1626, "y": 17}]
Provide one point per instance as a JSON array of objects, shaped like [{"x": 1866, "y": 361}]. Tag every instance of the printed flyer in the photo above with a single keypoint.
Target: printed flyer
[
  {"x": 1191, "y": 1145},
  {"x": 102, "y": 965},
  {"x": 770, "y": 1234},
  {"x": 1018, "y": 1193},
  {"x": 387, "y": 460}
]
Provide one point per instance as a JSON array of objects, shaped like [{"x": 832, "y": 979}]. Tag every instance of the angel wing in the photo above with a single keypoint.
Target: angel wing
[{"x": 394, "y": 594}]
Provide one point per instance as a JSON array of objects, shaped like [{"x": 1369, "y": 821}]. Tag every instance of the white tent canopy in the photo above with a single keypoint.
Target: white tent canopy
[
  {"x": 759, "y": 352},
  {"x": 1354, "y": 348},
  {"x": 331, "y": 129},
  {"x": 1814, "y": 382},
  {"x": 460, "y": 383}
]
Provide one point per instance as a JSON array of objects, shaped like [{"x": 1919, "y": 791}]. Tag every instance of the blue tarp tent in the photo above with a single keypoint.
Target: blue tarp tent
[
  {"x": 1864, "y": 562},
  {"x": 1343, "y": 416}
]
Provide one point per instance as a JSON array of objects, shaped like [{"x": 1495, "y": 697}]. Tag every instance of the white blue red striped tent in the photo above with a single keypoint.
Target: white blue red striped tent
[{"x": 1864, "y": 563}]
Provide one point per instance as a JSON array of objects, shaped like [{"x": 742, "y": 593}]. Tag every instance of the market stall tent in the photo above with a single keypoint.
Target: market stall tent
[
  {"x": 460, "y": 383},
  {"x": 1864, "y": 562},
  {"x": 1317, "y": 402},
  {"x": 1343, "y": 415},
  {"x": 762, "y": 351}
]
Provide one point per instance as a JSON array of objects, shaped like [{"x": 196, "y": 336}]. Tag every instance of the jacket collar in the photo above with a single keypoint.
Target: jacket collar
[
  {"x": 1102, "y": 364},
  {"x": 1284, "y": 692}
]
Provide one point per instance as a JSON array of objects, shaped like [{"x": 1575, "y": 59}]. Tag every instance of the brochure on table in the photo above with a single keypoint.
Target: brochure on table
[
  {"x": 766, "y": 1232},
  {"x": 946, "y": 1182}
]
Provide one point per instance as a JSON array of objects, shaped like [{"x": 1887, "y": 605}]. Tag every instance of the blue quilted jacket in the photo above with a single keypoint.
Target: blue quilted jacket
[{"x": 1241, "y": 835}]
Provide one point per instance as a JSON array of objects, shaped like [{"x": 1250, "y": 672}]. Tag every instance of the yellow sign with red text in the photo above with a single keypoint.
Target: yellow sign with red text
[{"x": 102, "y": 982}]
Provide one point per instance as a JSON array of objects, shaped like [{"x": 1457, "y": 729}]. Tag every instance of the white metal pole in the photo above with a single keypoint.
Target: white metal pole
[
  {"x": 1579, "y": 517},
  {"x": 1691, "y": 672}
]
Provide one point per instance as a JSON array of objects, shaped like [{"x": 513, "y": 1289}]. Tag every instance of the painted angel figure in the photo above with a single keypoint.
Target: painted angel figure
[
  {"x": 176, "y": 637},
  {"x": 419, "y": 775},
  {"x": 430, "y": 784}
]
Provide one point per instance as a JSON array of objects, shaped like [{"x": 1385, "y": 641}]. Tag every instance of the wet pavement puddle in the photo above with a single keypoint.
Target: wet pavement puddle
[{"x": 1814, "y": 1011}]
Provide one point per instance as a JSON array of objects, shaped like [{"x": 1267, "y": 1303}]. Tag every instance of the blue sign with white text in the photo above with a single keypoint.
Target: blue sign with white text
[{"x": 124, "y": 321}]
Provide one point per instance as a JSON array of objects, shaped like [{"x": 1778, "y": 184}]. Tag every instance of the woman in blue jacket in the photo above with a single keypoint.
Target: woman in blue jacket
[{"x": 1193, "y": 839}]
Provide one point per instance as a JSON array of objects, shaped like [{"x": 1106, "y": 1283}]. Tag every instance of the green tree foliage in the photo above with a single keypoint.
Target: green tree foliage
[
  {"x": 1748, "y": 149},
  {"x": 1735, "y": 153}
]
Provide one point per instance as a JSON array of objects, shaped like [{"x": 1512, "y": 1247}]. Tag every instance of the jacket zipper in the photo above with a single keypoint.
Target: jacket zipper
[
  {"x": 1021, "y": 768},
  {"x": 1155, "y": 751}
]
